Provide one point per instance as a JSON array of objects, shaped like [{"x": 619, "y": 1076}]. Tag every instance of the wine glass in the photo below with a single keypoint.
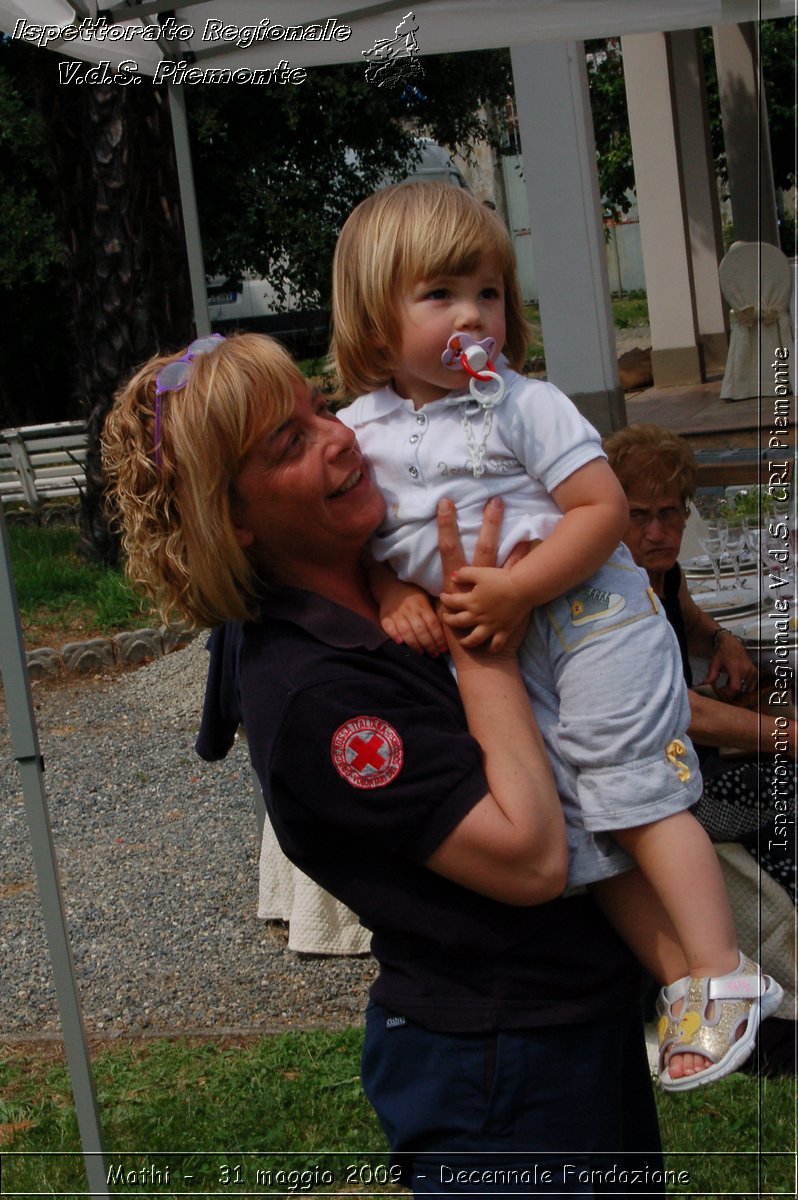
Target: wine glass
[
  {"x": 713, "y": 546},
  {"x": 735, "y": 544}
]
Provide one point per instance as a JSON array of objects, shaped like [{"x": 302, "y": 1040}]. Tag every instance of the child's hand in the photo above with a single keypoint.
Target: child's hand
[
  {"x": 406, "y": 612},
  {"x": 492, "y": 607},
  {"x": 411, "y": 618}
]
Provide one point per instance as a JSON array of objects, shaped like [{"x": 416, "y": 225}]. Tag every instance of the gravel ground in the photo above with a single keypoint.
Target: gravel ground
[{"x": 157, "y": 853}]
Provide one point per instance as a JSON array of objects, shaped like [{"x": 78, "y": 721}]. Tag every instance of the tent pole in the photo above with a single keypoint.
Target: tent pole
[
  {"x": 188, "y": 202},
  {"x": 25, "y": 743},
  {"x": 565, "y": 216}
]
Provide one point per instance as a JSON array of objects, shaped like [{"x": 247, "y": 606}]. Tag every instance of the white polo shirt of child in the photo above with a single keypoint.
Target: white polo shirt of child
[{"x": 609, "y": 694}]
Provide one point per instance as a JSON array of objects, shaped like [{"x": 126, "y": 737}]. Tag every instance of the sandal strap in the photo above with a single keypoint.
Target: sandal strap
[{"x": 736, "y": 987}]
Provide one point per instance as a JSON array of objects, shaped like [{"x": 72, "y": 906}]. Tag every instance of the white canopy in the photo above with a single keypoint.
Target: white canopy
[{"x": 221, "y": 35}]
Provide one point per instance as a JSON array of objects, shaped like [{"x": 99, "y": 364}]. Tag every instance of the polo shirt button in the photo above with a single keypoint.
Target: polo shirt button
[
  {"x": 422, "y": 420},
  {"x": 413, "y": 472},
  {"x": 413, "y": 439}
]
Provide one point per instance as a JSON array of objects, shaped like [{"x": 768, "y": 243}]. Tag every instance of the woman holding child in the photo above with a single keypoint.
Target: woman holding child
[{"x": 504, "y": 1020}]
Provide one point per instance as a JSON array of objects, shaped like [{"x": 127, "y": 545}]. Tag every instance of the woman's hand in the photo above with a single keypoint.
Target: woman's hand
[
  {"x": 406, "y": 612},
  {"x": 732, "y": 660}
]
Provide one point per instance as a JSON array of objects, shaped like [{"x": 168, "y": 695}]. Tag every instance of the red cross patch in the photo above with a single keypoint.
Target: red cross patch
[{"x": 367, "y": 752}]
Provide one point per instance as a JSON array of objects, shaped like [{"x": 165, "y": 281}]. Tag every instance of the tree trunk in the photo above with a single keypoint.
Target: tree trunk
[{"x": 129, "y": 273}]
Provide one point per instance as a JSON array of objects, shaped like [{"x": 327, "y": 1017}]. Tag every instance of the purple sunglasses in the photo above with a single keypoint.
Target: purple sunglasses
[{"x": 173, "y": 377}]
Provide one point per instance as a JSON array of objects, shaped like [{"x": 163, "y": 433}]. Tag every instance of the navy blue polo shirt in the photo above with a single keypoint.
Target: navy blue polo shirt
[{"x": 366, "y": 764}]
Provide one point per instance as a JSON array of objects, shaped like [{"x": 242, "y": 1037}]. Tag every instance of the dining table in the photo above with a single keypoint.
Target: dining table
[{"x": 756, "y": 604}]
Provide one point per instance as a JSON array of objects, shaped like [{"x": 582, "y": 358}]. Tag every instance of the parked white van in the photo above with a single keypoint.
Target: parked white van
[{"x": 256, "y": 305}]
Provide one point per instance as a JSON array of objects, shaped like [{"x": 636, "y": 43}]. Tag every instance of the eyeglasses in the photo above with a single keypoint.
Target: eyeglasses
[
  {"x": 173, "y": 377},
  {"x": 669, "y": 517}
]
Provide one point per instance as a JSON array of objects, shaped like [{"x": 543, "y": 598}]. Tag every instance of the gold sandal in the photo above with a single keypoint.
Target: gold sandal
[{"x": 741, "y": 1000}]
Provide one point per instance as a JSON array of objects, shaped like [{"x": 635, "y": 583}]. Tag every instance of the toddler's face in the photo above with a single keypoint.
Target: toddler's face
[{"x": 430, "y": 311}]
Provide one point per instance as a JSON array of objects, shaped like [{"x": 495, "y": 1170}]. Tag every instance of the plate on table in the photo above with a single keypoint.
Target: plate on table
[
  {"x": 761, "y": 629},
  {"x": 701, "y": 567},
  {"x": 727, "y": 601}
]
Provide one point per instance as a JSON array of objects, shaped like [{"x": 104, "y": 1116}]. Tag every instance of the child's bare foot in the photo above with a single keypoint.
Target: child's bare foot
[{"x": 688, "y": 1062}]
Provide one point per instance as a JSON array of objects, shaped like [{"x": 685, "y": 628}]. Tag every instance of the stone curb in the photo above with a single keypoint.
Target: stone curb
[{"x": 98, "y": 654}]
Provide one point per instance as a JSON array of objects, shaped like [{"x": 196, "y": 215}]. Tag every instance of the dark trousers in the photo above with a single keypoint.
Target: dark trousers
[{"x": 565, "y": 1109}]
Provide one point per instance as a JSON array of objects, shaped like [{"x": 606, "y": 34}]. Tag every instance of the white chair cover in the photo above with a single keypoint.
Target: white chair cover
[
  {"x": 764, "y": 918},
  {"x": 756, "y": 282},
  {"x": 694, "y": 531},
  {"x": 317, "y": 923}
]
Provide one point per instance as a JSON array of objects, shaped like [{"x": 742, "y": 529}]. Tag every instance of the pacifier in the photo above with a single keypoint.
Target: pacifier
[{"x": 462, "y": 351}]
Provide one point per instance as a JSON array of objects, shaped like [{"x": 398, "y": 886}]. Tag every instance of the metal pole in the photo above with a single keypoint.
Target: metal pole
[
  {"x": 25, "y": 744},
  {"x": 188, "y": 202}
]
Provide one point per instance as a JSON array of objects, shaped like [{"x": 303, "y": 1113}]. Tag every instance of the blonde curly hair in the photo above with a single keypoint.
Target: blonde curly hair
[
  {"x": 177, "y": 528},
  {"x": 393, "y": 239}
]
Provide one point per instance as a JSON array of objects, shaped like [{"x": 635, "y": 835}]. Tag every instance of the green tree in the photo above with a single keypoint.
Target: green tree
[
  {"x": 30, "y": 245},
  {"x": 93, "y": 276},
  {"x": 278, "y": 171},
  {"x": 33, "y": 316},
  {"x": 611, "y": 123},
  {"x": 119, "y": 212},
  {"x": 777, "y": 50}
]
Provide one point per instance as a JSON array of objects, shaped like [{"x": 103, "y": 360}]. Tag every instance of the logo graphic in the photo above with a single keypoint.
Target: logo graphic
[
  {"x": 392, "y": 61},
  {"x": 592, "y": 604},
  {"x": 367, "y": 752},
  {"x": 674, "y": 752}
]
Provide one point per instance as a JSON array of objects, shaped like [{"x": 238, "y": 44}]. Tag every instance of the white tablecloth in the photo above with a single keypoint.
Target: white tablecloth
[{"x": 317, "y": 923}]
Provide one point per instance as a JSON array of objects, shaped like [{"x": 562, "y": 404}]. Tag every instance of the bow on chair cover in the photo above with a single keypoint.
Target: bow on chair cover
[{"x": 756, "y": 281}]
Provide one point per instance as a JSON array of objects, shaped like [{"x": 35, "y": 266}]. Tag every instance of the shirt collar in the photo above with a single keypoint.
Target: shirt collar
[
  {"x": 323, "y": 619},
  {"x": 385, "y": 401}
]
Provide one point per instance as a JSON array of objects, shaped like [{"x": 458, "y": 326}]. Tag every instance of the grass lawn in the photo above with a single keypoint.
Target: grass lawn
[
  {"x": 220, "y": 1112},
  {"x": 62, "y": 598}
]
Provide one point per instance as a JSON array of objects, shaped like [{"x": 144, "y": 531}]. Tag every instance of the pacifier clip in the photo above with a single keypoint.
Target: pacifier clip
[{"x": 474, "y": 357}]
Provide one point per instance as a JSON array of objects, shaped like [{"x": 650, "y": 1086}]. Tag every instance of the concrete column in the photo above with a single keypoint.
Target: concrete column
[
  {"x": 745, "y": 132},
  {"x": 561, "y": 181},
  {"x": 676, "y": 355},
  {"x": 705, "y": 233}
]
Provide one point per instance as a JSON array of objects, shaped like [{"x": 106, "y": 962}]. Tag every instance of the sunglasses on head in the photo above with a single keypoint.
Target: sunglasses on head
[{"x": 173, "y": 377}]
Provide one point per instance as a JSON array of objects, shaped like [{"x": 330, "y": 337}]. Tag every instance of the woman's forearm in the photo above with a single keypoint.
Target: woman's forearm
[
  {"x": 515, "y": 760},
  {"x": 714, "y": 723},
  {"x": 511, "y": 845}
]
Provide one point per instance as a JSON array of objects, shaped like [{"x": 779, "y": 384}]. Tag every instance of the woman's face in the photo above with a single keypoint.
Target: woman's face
[
  {"x": 654, "y": 533},
  {"x": 303, "y": 500}
]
